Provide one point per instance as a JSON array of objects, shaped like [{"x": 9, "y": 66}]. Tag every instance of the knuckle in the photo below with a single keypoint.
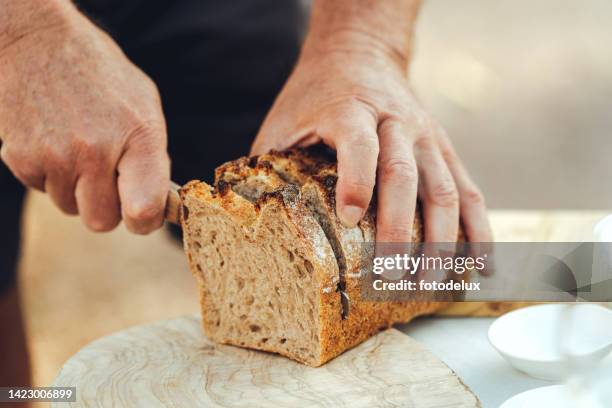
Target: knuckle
[
  {"x": 424, "y": 142},
  {"x": 444, "y": 194},
  {"x": 400, "y": 169},
  {"x": 25, "y": 171},
  {"x": 396, "y": 233},
  {"x": 422, "y": 123},
  {"x": 27, "y": 174},
  {"x": 357, "y": 182},
  {"x": 11, "y": 156},
  {"x": 23, "y": 166},
  {"x": 473, "y": 196},
  {"x": 448, "y": 155},
  {"x": 355, "y": 191},
  {"x": 58, "y": 160},
  {"x": 143, "y": 212},
  {"x": 91, "y": 149}
]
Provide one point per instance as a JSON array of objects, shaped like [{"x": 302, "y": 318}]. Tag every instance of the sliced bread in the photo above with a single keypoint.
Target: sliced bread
[{"x": 276, "y": 269}]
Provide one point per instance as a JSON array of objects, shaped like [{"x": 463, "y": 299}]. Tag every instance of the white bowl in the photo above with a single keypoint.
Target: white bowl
[
  {"x": 603, "y": 229},
  {"x": 558, "y": 396},
  {"x": 552, "y": 341}
]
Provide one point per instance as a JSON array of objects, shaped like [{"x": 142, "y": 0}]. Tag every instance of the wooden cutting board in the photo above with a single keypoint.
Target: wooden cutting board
[{"x": 172, "y": 364}]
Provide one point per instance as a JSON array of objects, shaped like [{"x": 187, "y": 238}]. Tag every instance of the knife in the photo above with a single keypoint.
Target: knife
[{"x": 172, "y": 213}]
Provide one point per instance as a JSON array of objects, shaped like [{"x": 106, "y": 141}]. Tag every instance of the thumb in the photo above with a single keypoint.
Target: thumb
[{"x": 144, "y": 179}]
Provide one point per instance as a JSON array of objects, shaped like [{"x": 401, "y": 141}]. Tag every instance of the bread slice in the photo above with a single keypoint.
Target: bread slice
[{"x": 276, "y": 269}]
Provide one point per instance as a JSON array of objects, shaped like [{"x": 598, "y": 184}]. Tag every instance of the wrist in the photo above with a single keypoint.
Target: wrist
[
  {"x": 382, "y": 29},
  {"x": 19, "y": 19},
  {"x": 355, "y": 44}
]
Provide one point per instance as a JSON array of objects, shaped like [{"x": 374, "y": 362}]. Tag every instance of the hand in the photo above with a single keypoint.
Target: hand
[
  {"x": 79, "y": 121},
  {"x": 360, "y": 104}
]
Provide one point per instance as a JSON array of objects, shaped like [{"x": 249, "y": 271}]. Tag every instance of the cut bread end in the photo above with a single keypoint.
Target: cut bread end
[
  {"x": 261, "y": 281},
  {"x": 277, "y": 271}
]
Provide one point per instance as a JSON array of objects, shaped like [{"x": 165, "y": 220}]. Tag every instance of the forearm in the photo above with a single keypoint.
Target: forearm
[
  {"x": 22, "y": 17},
  {"x": 372, "y": 26}
]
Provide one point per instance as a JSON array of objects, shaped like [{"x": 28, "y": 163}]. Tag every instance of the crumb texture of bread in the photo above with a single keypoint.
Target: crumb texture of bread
[{"x": 272, "y": 260}]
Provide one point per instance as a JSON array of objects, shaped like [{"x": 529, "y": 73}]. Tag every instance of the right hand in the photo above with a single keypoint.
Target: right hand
[{"x": 79, "y": 121}]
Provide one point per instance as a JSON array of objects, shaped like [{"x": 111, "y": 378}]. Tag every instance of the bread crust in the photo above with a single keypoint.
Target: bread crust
[
  {"x": 316, "y": 169},
  {"x": 295, "y": 182}
]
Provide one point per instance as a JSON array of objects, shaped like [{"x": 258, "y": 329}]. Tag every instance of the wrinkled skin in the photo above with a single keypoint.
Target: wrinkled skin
[
  {"x": 82, "y": 123},
  {"x": 360, "y": 104}
]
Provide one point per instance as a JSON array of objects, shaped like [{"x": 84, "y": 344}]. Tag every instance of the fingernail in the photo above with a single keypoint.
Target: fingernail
[{"x": 350, "y": 215}]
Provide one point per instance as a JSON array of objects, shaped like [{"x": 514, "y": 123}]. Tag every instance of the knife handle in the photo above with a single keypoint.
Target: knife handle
[{"x": 173, "y": 204}]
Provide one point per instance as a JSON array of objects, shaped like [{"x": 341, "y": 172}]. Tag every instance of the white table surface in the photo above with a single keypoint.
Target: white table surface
[{"x": 463, "y": 345}]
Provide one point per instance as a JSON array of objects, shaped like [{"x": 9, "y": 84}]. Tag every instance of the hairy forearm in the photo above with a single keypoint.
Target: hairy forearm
[
  {"x": 22, "y": 17},
  {"x": 373, "y": 26}
]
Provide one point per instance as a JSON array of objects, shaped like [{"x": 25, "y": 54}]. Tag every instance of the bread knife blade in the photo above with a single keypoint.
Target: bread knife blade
[{"x": 173, "y": 204}]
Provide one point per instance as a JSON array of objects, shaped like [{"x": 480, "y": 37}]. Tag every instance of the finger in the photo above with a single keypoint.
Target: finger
[
  {"x": 144, "y": 178},
  {"x": 61, "y": 189},
  {"x": 473, "y": 210},
  {"x": 472, "y": 206},
  {"x": 397, "y": 184},
  {"x": 60, "y": 181},
  {"x": 355, "y": 139},
  {"x": 97, "y": 199},
  {"x": 438, "y": 192}
]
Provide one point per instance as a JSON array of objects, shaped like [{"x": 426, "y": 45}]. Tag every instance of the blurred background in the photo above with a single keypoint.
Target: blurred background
[{"x": 523, "y": 87}]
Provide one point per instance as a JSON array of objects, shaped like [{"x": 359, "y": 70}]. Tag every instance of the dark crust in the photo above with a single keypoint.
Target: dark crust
[
  {"x": 328, "y": 182},
  {"x": 223, "y": 187},
  {"x": 365, "y": 318},
  {"x": 312, "y": 160},
  {"x": 289, "y": 195},
  {"x": 253, "y": 161},
  {"x": 318, "y": 163},
  {"x": 264, "y": 164}
]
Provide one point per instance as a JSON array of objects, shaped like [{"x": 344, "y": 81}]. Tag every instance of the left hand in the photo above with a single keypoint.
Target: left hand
[{"x": 361, "y": 105}]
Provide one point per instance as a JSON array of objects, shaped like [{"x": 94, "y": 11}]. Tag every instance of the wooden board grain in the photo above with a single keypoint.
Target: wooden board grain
[{"x": 172, "y": 364}]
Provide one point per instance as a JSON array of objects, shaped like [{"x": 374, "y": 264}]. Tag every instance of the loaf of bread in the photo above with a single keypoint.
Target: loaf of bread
[{"x": 276, "y": 269}]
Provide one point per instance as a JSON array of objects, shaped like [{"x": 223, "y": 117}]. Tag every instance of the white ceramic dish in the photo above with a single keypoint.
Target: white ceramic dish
[
  {"x": 557, "y": 396},
  {"x": 603, "y": 230},
  {"x": 552, "y": 341}
]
